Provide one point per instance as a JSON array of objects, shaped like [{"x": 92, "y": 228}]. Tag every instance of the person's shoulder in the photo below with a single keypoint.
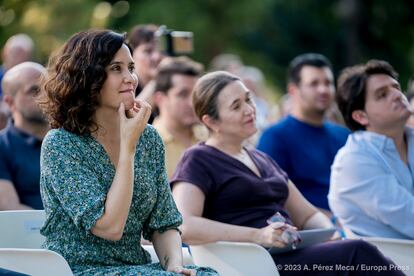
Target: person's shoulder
[
  {"x": 278, "y": 129},
  {"x": 337, "y": 128},
  {"x": 260, "y": 155},
  {"x": 58, "y": 134},
  {"x": 59, "y": 137},
  {"x": 358, "y": 146},
  {"x": 5, "y": 141},
  {"x": 280, "y": 125},
  {"x": 4, "y": 135},
  {"x": 151, "y": 141},
  {"x": 198, "y": 149},
  {"x": 200, "y": 153},
  {"x": 150, "y": 135},
  {"x": 150, "y": 132}
]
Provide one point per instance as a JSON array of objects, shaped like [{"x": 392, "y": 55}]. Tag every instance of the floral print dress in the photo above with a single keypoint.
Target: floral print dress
[{"x": 76, "y": 174}]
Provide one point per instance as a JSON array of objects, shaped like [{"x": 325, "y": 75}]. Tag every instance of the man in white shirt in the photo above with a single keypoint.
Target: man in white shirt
[{"x": 372, "y": 181}]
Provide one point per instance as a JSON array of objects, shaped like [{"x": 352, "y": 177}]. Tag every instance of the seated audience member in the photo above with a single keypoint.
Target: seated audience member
[
  {"x": 17, "y": 49},
  {"x": 103, "y": 177},
  {"x": 235, "y": 190},
  {"x": 4, "y": 114},
  {"x": 176, "y": 122},
  {"x": 410, "y": 98},
  {"x": 145, "y": 52},
  {"x": 304, "y": 144},
  {"x": 372, "y": 182},
  {"x": 21, "y": 140},
  {"x": 147, "y": 56}
]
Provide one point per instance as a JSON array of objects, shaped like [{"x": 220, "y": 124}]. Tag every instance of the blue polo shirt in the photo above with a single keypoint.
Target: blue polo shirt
[
  {"x": 1, "y": 78},
  {"x": 20, "y": 164},
  {"x": 305, "y": 153}
]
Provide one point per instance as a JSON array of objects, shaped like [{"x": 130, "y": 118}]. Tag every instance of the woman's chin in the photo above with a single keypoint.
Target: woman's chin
[
  {"x": 128, "y": 104},
  {"x": 252, "y": 132}
]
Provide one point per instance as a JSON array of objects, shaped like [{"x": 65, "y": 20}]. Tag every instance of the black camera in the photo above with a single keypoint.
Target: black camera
[{"x": 174, "y": 43}]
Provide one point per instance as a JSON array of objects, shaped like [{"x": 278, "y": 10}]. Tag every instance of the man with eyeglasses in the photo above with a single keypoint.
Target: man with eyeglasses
[{"x": 21, "y": 140}]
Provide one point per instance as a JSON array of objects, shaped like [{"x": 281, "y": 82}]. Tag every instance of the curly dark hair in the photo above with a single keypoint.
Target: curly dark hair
[{"x": 76, "y": 74}]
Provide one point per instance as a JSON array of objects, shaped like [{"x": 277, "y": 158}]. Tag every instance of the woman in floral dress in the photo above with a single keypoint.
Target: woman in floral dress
[{"x": 103, "y": 179}]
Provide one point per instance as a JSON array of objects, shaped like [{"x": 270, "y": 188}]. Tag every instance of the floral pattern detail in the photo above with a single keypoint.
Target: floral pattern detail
[{"x": 76, "y": 174}]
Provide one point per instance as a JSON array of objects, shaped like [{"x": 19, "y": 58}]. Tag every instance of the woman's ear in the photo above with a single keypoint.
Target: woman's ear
[
  {"x": 361, "y": 117},
  {"x": 209, "y": 122}
]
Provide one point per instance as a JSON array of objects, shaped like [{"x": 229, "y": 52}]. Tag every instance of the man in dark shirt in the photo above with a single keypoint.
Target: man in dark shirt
[
  {"x": 17, "y": 49},
  {"x": 20, "y": 141}
]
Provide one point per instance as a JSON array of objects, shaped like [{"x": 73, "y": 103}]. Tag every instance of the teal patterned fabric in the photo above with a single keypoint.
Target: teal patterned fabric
[{"x": 76, "y": 174}]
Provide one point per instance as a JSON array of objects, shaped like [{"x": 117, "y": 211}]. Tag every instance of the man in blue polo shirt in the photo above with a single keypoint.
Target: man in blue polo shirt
[
  {"x": 304, "y": 144},
  {"x": 20, "y": 141}
]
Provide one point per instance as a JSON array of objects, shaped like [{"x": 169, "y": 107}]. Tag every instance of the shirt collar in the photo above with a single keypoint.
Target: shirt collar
[
  {"x": 382, "y": 141},
  {"x": 28, "y": 138}
]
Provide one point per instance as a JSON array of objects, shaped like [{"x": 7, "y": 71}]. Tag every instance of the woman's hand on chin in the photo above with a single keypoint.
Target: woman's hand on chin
[{"x": 133, "y": 122}]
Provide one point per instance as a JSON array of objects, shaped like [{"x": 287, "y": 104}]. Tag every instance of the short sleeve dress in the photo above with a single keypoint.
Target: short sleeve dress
[{"x": 76, "y": 174}]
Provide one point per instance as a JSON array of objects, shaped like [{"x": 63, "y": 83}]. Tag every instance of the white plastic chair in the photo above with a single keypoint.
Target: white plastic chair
[
  {"x": 399, "y": 250},
  {"x": 234, "y": 258},
  {"x": 20, "y": 243},
  {"x": 20, "y": 229},
  {"x": 36, "y": 262}
]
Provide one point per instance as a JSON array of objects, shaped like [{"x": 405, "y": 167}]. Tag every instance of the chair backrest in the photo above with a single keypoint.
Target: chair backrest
[
  {"x": 187, "y": 259},
  {"x": 234, "y": 258},
  {"x": 34, "y": 262},
  {"x": 398, "y": 250},
  {"x": 20, "y": 229}
]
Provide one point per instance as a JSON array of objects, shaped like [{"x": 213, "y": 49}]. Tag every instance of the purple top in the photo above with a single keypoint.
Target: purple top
[{"x": 234, "y": 194}]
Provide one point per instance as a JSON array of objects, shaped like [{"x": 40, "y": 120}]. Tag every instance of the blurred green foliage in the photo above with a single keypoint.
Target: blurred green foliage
[{"x": 265, "y": 33}]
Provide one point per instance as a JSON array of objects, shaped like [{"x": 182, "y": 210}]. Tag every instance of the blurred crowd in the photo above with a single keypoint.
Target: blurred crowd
[{"x": 333, "y": 152}]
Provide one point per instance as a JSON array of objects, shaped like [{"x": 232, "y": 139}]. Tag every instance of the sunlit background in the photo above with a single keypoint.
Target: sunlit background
[{"x": 265, "y": 33}]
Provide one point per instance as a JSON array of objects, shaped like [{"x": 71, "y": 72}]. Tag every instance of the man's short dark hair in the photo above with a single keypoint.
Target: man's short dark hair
[
  {"x": 351, "y": 91},
  {"x": 141, "y": 34},
  {"x": 172, "y": 66},
  {"x": 309, "y": 59}
]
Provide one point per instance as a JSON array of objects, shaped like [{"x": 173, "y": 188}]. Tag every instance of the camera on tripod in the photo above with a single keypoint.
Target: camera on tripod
[{"x": 174, "y": 43}]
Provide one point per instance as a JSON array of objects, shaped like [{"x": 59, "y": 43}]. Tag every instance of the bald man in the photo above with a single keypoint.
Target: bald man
[
  {"x": 20, "y": 141},
  {"x": 17, "y": 49}
]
